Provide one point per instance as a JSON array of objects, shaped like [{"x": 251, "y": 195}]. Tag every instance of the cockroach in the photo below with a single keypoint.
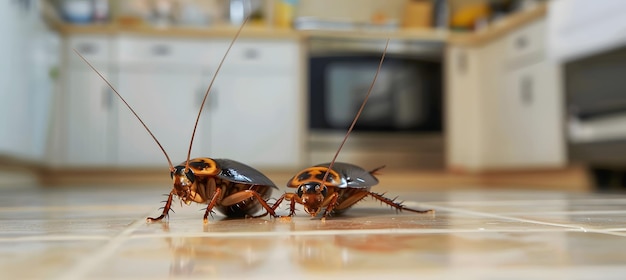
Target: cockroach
[
  {"x": 337, "y": 186},
  {"x": 235, "y": 189}
]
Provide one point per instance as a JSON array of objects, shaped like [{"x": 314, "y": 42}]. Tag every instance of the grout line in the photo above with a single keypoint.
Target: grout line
[
  {"x": 617, "y": 233},
  {"x": 581, "y": 212},
  {"x": 459, "y": 210},
  {"x": 572, "y": 227},
  {"x": 80, "y": 270},
  {"x": 591, "y": 201},
  {"x": 53, "y": 238}
]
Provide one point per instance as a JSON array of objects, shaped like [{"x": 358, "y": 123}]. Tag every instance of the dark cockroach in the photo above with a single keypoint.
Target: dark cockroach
[
  {"x": 235, "y": 189},
  {"x": 337, "y": 186}
]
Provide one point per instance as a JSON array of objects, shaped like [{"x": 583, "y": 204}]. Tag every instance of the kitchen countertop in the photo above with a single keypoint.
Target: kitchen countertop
[
  {"x": 100, "y": 232},
  {"x": 263, "y": 31}
]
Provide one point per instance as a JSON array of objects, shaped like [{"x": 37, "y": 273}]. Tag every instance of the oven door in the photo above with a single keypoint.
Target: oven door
[
  {"x": 406, "y": 97},
  {"x": 596, "y": 104}
]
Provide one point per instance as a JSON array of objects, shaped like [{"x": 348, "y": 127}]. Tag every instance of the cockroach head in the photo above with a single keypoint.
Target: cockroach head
[
  {"x": 312, "y": 195},
  {"x": 183, "y": 182}
]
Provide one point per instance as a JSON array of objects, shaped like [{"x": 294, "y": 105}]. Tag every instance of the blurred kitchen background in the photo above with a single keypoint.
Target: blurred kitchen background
[{"x": 510, "y": 92}]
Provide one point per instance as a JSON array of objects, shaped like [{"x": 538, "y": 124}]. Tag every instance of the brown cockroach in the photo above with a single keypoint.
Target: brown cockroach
[
  {"x": 337, "y": 186},
  {"x": 234, "y": 188}
]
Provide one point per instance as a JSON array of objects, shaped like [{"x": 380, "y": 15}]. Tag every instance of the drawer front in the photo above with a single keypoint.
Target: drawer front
[
  {"x": 258, "y": 54},
  {"x": 526, "y": 43},
  {"x": 96, "y": 49},
  {"x": 150, "y": 51}
]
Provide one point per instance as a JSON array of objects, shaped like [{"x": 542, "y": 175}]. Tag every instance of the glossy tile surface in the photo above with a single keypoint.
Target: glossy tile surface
[{"x": 101, "y": 233}]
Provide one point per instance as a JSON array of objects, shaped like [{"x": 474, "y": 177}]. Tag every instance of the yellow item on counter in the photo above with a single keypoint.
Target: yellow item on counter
[
  {"x": 284, "y": 12},
  {"x": 467, "y": 16}
]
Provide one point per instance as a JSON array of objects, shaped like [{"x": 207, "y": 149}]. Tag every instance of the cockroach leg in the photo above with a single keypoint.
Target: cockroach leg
[
  {"x": 166, "y": 208},
  {"x": 351, "y": 200},
  {"x": 331, "y": 202},
  {"x": 292, "y": 198},
  {"x": 278, "y": 202},
  {"x": 245, "y": 194},
  {"x": 209, "y": 208},
  {"x": 292, "y": 206},
  {"x": 398, "y": 206}
]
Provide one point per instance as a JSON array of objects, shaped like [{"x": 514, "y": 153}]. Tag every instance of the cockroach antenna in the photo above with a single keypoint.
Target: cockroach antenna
[
  {"x": 128, "y": 106},
  {"x": 337, "y": 190},
  {"x": 358, "y": 113},
  {"x": 208, "y": 90},
  {"x": 237, "y": 193}
]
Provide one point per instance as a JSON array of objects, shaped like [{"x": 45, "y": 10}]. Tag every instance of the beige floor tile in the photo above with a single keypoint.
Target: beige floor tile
[
  {"x": 39, "y": 259},
  {"x": 359, "y": 254},
  {"x": 101, "y": 233}
]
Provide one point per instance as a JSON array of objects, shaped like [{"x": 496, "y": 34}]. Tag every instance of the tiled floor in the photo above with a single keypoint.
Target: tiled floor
[{"x": 100, "y": 232}]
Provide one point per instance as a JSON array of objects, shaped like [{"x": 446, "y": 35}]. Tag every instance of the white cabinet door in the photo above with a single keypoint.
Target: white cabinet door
[
  {"x": 462, "y": 109},
  {"x": 255, "y": 119},
  {"x": 505, "y": 112},
  {"x": 167, "y": 99},
  {"x": 532, "y": 134},
  {"x": 13, "y": 81},
  {"x": 89, "y": 110},
  {"x": 254, "y": 114},
  {"x": 88, "y": 105},
  {"x": 25, "y": 87}
]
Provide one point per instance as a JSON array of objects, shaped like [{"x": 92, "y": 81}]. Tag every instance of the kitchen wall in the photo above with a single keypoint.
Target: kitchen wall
[{"x": 355, "y": 10}]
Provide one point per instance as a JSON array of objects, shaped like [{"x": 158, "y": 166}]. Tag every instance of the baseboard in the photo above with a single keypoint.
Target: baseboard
[
  {"x": 574, "y": 178},
  {"x": 16, "y": 173}
]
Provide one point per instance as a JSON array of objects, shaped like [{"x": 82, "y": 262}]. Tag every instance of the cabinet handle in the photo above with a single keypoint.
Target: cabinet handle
[
  {"x": 461, "y": 63},
  {"x": 211, "y": 100},
  {"x": 251, "y": 53},
  {"x": 87, "y": 48},
  {"x": 161, "y": 50},
  {"x": 521, "y": 42},
  {"x": 107, "y": 98},
  {"x": 526, "y": 90}
]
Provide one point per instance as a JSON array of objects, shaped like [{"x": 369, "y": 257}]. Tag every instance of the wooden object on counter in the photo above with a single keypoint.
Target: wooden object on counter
[{"x": 418, "y": 14}]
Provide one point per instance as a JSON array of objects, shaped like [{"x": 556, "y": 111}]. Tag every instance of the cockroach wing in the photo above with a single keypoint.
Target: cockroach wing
[
  {"x": 238, "y": 172},
  {"x": 353, "y": 176}
]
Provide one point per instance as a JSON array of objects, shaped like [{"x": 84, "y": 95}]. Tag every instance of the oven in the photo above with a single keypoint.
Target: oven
[
  {"x": 587, "y": 40},
  {"x": 401, "y": 125}
]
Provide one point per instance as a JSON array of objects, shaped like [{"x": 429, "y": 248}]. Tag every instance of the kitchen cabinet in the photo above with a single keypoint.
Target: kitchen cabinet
[
  {"x": 256, "y": 110},
  {"x": 167, "y": 101},
  {"x": 87, "y": 104},
  {"x": 256, "y": 127},
  {"x": 531, "y": 117},
  {"x": 254, "y": 113},
  {"x": 504, "y": 105},
  {"x": 164, "y": 82},
  {"x": 26, "y": 88}
]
